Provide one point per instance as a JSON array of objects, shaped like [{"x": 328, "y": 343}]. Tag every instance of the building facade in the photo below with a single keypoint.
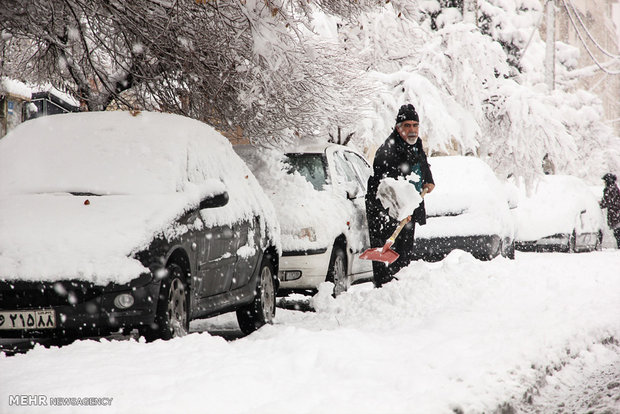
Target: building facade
[{"x": 14, "y": 100}]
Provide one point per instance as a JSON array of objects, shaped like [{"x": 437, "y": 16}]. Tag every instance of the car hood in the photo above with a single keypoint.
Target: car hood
[
  {"x": 47, "y": 237},
  {"x": 326, "y": 214}
]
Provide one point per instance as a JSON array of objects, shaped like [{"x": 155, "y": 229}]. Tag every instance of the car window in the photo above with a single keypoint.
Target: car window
[
  {"x": 310, "y": 166},
  {"x": 345, "y": 171},
  {"x": 361, "y": 167}
]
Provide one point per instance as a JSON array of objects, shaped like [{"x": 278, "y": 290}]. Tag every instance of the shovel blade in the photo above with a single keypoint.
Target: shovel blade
[{"x": 380, "y": 255}]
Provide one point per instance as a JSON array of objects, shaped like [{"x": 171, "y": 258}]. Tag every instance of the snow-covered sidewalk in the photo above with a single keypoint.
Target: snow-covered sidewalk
[{"x": 458, "y": 335}]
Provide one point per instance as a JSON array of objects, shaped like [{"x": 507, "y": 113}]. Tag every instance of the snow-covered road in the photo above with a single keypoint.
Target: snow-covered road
[{"x": 454, "y": 336}]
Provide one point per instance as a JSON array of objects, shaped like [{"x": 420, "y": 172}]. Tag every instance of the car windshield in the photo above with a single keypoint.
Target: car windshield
[{"x": 311, "y": 166}]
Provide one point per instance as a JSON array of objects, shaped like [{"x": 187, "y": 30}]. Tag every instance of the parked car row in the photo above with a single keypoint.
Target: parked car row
[{"x": 116, "y": 221}]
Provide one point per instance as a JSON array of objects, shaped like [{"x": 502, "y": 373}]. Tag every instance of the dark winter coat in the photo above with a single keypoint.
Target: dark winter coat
[
  {"x": 611, "y": 201},
  {"x": 396, "y": 158}
]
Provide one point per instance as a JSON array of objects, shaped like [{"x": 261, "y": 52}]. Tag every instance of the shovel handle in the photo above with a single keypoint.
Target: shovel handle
[{"x": 402, "y": 224}]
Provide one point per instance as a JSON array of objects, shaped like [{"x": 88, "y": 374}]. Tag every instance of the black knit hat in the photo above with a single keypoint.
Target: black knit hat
[
  {"x": 609, "y": 178},
  {"x": 407, "y": 113}
]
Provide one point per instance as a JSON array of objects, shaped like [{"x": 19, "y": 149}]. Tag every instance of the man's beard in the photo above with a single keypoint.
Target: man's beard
[{"x": 412, "y": 138}]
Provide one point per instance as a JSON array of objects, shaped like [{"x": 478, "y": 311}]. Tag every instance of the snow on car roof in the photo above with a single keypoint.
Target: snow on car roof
[
  {"x": 139, "y": 174},
  {"x": 461, "y": 182},
  {"x": 102, "y": 153}
]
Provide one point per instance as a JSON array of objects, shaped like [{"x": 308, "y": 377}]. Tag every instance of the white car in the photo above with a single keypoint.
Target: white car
[
  {"x": 468, "y": 210},
  {"x": 561, "y": 214},
  {"x": 318, "y": 192}
]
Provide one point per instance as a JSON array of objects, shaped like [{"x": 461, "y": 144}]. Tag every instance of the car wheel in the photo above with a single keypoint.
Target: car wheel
[
  {"x": 572, "y": 242},
  {"x": 337, "y": 273},
  {"x": 172, "y": 319},
  {"x": 262, "y": 310},
  {"x": 509, "y": 250},
  {"x": 598, "y": 246}
]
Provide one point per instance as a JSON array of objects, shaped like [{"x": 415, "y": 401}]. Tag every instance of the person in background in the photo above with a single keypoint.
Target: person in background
[
  {"x": 399, "y": 156},
  {"x": 611, "y": 201}
]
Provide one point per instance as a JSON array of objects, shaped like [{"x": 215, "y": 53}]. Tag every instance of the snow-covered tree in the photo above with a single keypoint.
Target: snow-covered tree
[
  {"x": 238, "y": 65},
  {"x": 479, "y": 89}
]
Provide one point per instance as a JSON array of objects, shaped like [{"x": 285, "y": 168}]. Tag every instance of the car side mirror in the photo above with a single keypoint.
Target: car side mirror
[
  {"x": 352, "y": 190},
  {"x": 215, "y": 200}
]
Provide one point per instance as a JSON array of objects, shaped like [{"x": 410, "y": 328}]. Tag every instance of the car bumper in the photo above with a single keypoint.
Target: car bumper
[
  {"x": 483, "y": 247},
  {"x": 556, "y": 242},
  {"x": 78, "y": 308},
  {"x": 303, "y": 269}
]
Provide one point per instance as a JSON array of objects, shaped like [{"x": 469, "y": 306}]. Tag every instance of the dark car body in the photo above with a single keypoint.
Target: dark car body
[
  {"x": 83, "y": 308},
  {"x": 200, "y": 250}
]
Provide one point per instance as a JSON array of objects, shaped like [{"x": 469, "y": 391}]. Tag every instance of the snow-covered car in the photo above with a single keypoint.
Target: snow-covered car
[
  {"x": 468, "y": 210},
  {"x": 561, "y": 214},
  {"x": 110, "y": 222},
  {"x": 318, "y": 192}
]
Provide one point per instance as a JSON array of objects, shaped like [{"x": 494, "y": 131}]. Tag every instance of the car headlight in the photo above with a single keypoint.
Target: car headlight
[
  {"x": 124, "y": 301},
  {"x": 307, "y": 233}
]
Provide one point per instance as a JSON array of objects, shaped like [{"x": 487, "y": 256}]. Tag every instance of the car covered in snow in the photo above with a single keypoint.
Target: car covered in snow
[
  {"x": 318, "y": 192},
  {"x": 111, "y": 221},
  {"x": 469, "y": 209},
  {"x": 560, "y": 214}
]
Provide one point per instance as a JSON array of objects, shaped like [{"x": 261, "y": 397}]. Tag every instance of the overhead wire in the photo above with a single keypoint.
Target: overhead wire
[
  {"x": 604, "y": 51},
  {"x": 601, "y": 67}
]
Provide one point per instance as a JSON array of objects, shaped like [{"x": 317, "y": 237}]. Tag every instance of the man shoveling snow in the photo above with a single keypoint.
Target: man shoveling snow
[{"x": 400, "y": 156}]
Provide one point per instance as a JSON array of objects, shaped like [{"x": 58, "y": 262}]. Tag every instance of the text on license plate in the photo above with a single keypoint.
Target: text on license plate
[{"x": 33, "y": 319}]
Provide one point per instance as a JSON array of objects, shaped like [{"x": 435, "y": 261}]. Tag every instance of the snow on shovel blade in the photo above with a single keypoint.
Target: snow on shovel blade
[{"x": 379, "y": 255}]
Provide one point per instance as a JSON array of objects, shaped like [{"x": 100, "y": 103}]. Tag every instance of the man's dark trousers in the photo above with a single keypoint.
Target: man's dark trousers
[{"x": 381, "y": 226}]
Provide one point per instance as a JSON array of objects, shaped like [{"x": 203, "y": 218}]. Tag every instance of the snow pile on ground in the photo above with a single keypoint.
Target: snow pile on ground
[
  {"x": 459, "y": 334},
  {"x": 400, "y": 197}
]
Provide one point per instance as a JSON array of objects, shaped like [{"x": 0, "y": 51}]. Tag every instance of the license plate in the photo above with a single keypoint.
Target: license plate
[{"x": 33, "y": 319}]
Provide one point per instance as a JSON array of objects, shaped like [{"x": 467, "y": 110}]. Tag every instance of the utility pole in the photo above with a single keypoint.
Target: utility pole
[{"x": 550, "y": 51}]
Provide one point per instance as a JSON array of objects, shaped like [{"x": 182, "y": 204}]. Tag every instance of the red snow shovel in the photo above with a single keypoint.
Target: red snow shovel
[{"x": 386, "y": 254}]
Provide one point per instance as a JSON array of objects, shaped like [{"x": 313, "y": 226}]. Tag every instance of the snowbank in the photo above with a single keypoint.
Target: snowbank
[{"x": 459, "y": 334}]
